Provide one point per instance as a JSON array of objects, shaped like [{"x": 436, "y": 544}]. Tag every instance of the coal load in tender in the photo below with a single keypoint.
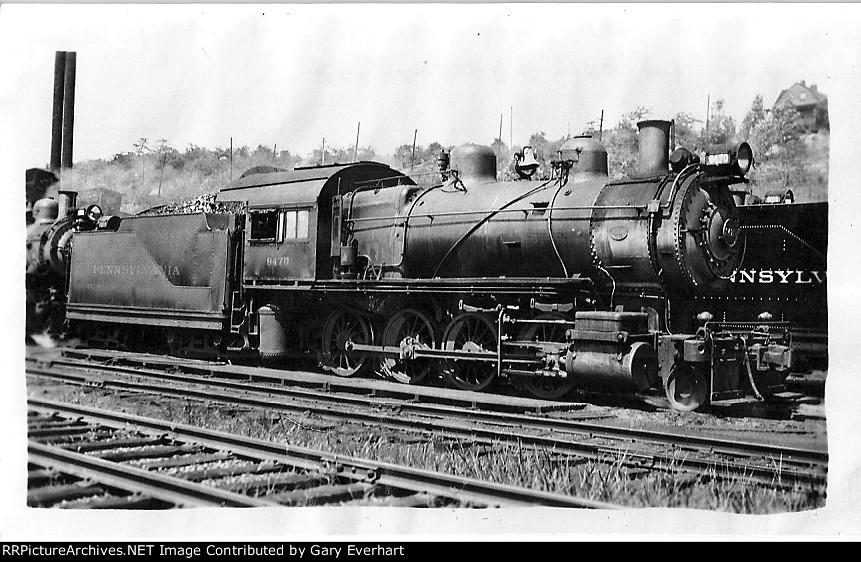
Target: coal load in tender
[{"x": 203, "y": 204}]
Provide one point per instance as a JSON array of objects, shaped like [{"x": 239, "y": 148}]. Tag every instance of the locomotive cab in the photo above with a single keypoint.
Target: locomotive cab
[{"x": 294, "y": 231}]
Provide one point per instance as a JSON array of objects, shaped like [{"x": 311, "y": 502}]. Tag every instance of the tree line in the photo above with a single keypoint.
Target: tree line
[{"x": 154, "y": 172}]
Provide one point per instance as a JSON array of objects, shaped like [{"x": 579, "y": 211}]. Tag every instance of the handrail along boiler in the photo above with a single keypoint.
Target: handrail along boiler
[{"x": 550, "y": 284}]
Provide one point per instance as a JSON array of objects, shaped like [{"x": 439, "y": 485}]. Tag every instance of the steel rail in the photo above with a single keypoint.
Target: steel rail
[
  {"x": 716, "y": 445},
  {"x": 177, "y": 491},
  {"x": 301, "y": 386},
  {"x": 492, "y": 435},
  {"x": 466, "y": 490}
]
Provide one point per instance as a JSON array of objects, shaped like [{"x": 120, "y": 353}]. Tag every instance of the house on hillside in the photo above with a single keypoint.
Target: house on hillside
[{"x": 810, "y": 103}]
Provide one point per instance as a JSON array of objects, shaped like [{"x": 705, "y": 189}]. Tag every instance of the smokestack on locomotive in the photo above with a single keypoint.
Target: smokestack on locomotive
[
  {"x": 654, "y": 139},
  {"x": 67, "y": 201}
]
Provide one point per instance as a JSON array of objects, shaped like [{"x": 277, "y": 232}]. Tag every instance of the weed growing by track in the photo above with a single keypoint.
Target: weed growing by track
[{"x": 616, "y": 478}]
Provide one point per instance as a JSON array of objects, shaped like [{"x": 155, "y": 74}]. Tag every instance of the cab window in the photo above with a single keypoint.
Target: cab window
[
  {"x": 264, "y": 226},
  {"x": 296, "y": 224}
]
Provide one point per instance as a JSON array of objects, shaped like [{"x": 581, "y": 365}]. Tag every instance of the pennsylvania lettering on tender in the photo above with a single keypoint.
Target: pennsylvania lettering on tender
[{"x": 135, "y": 269}]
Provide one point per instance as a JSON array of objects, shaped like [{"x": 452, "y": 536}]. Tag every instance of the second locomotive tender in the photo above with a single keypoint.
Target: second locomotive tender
[{"x": 550, "y": 284}]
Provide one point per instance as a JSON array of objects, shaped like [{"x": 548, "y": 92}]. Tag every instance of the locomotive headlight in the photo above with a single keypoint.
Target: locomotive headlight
[
  {"x": 730, "y": 158},
  {"x": 743, "y": 158},
  {"x": 94, "y": 213}
]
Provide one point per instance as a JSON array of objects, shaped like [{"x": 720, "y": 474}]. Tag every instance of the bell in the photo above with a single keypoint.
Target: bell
[
  {"x": 526, "y": 163},
  {"x": 528, "y": 158}
]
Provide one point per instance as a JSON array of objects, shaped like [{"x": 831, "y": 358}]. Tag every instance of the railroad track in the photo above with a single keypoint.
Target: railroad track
[
  {"x": 82, "y": 457},
  {"x": 762, "y": 462}
]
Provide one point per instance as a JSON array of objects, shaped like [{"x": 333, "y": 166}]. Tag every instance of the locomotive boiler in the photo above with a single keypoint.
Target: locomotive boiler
[
  {"x": 48, "y": 238},
  {"x": 547, "y": 284}
]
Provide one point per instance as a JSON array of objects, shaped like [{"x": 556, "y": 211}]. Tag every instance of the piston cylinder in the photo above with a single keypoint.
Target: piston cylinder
[
  {"x": 605, "y": 364},
  {"x": 602, "y": 352}
]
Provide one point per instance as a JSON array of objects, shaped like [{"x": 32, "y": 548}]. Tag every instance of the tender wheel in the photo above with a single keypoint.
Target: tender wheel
[
  {"x": 546, "y": 388},
  {"x": 414, "y": 324},
  {"x": 687, "y": 387},
  {"x": 472, "y": 333},
  {"x": 343, "y": 326}
]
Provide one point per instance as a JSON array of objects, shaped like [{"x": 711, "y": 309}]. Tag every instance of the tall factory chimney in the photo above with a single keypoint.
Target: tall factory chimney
[
  {"x": 69, "y": 109},
  {"x": 63, "y": 114},
  {"x": 57, "y": 122}
]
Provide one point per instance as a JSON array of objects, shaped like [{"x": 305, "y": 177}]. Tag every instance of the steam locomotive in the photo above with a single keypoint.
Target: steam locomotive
[
  {"x": 50, "y": 226},
  {"x": 571, "y": 281}
]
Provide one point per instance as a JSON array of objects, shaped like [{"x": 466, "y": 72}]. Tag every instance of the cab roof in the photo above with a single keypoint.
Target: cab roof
[{"x": 262, "y": 186}]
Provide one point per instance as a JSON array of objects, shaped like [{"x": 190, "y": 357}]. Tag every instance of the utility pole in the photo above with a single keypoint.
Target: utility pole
[
  {"x": 413, "y": 156},
  {"x": 708, "y": 114},
  {"x": 323, "y": 153},
  {"x": 161, "y": 178},
  {"x": 274, "y": 148},
  {"x": 500, "y": 128},
  {"x": 601, "y": 126},
  {"x": 356, "y": 151}
]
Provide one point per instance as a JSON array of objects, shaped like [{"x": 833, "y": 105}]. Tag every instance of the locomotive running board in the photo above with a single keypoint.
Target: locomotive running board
[{"x": 538, "y": 287}]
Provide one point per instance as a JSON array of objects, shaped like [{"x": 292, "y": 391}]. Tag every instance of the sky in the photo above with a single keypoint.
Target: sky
[{"x": 291, "y": 75}]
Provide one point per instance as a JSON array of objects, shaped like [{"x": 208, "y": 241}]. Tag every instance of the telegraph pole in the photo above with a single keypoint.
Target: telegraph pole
[
  {"x": 601, "y": 126},
  {"x": 356, "y": 151}
]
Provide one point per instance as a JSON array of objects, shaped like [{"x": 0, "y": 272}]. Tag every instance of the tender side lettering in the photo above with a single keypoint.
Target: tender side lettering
[
  {"x": 135, "y": 269},
  {"x": 782, "y": 276}
]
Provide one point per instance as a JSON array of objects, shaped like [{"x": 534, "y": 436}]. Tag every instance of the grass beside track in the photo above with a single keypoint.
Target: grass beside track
[{"x": 614, "y": 480}]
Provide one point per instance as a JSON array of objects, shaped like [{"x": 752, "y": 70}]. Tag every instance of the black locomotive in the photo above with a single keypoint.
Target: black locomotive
[
  {"x": 552, "y": 284},
  {"x": 50, "y": 226}
]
